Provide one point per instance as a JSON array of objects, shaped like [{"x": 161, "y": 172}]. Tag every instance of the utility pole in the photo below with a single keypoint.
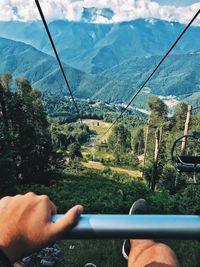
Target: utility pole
[{"x": 186, "y": 129}]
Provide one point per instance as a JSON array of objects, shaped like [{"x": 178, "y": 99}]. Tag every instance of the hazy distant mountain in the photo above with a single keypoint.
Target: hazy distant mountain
[{"x": 94, "y": 48}]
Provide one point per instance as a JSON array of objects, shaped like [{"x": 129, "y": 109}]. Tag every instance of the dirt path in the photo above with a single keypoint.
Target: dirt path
[{"x": 100, "y": 166}]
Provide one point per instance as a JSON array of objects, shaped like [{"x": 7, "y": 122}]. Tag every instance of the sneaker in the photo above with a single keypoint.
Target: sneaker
[{"x": 140, "y": 206}]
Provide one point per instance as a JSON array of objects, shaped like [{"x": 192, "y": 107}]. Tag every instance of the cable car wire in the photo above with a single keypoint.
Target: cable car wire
[
  {"x": 152, "y": 73},
  {"x": 57, "y": 56}
]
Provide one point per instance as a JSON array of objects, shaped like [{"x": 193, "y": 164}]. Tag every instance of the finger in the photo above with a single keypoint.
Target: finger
[
  {"x": 5, "y": 201},
  {"x": 30, "y": 194},
  {"x": 47, "y": 205},
  {"x": 53, "y": 207},
  {"x": 67, "y": 221}
]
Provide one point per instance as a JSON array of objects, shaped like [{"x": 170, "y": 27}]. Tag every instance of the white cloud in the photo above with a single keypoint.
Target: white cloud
[{"x": 123, "y": 10}]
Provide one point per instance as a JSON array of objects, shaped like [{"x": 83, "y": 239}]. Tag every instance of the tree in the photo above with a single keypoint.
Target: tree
[
  {"x": 7, "y": 167},
  {"x": 137, "y": 141},
  {"x": 25, "y": 139},
  {"x": 6, "y": 80},
  {"x": 180, "y": 114},
  {"x": 66, "y": 134},
  {"x": 159, "y": 111},
  {"x": 3, "y": 103},
  {"x": 168, "y": 178},
  {"x": 119, "y": 140},
  {"x": 74, "y": 151},
  {"x": 31, "y": 136},
  {"x": 158, "y": 124}
]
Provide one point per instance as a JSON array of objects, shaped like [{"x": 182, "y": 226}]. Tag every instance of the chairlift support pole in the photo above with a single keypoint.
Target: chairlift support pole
[{"x": 135, "y": 226}]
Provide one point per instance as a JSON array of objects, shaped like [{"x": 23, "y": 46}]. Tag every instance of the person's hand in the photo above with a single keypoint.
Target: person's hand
[{"x": 26, "y": 227}]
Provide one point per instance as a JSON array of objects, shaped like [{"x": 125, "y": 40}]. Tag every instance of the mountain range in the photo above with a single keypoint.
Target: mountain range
[
  {"x": 93, "y": 47},
  {"x": 103, "y": 61}
]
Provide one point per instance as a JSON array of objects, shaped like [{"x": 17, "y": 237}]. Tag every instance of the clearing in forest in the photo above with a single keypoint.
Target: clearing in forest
[
  {"x": 100, "y": 166},
  {"x": 100, "y": 127}
]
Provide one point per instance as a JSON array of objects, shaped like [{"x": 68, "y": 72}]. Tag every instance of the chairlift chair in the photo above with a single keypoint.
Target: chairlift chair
[{"x": 186, "y": 163}]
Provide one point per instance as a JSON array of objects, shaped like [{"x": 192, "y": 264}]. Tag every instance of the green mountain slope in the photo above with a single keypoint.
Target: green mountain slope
[
  {"x": 40, "y": 69},
  {"x": 178, "y": 76},
  {"x": 194, "y": 100}
]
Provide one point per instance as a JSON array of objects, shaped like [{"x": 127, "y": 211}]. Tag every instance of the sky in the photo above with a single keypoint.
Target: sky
[
  {"x": 177, "y": 2},
  {"x": 121, "y": 10}
]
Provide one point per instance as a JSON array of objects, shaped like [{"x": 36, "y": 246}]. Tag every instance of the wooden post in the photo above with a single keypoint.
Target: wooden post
[
  {"x": 186, "y": 129},
  {"x": 145, "y": 149},
  {"x": 158, "y": 137},
  {"x": 157, "y": 143}
]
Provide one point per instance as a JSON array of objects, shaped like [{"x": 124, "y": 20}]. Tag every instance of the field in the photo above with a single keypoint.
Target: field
[
  {"x": 100, "y": 166},
  {"x": 89, "y": 150},
  {"x": 100, "y": 127}
]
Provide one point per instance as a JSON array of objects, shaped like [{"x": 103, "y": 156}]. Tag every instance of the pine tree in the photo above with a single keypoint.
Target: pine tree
[{"x": 25, "y": 138}]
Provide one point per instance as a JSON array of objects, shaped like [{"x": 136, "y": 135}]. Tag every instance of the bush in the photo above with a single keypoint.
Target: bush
[
  {"x": 107, "y": 170},
  {"x": 168, "y": 178}
]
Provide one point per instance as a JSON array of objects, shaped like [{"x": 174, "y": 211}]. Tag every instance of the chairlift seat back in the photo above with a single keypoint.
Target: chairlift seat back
[
  {"x": 188, "y": 169},
  {"x": 193, "y": 160}
]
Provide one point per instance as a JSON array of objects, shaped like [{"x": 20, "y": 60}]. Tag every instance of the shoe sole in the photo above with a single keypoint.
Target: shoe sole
[
  {"x": 130, "y": 213},
  {"x": 123, "y": 250}
]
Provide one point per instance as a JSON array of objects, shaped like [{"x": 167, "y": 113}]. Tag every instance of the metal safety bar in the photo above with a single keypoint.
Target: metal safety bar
[{"x": 134, "y": 226}]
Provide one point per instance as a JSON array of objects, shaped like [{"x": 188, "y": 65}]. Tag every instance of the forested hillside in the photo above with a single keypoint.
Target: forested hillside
[
  {"x": 62, "y": 109},
  {"x": 178, "y": 76},
  {"x": 41, "y": 69}
]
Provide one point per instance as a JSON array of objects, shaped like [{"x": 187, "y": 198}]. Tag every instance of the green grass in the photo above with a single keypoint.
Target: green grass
[
  {"x": 100, "y": 127},
  {"x": 101, "y": 192},
  {"x": 102, "y": 253},
  {"x": 97, "y": 191},
  {"x": 105, "y": 253}
]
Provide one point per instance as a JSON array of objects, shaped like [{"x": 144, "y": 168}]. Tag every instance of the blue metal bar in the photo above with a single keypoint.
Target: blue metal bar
[{"x": 135, "y": 226}]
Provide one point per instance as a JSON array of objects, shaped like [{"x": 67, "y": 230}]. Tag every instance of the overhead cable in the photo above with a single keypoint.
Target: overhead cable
[
  {"x": 57, "y": 57},
  {"x": 152, "y": 73}
]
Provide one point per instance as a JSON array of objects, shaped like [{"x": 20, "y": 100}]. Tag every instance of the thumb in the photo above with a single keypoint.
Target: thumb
[{"x": 68, "y": 220}]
